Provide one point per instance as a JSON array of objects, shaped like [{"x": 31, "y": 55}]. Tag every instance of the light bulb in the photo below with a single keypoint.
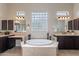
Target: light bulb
[
  {"x": 65, "y": 18},
  {"x": 16, "y": 17},
  {"x": 68, "y": 17},
  {"x": 62, "y": 17}
]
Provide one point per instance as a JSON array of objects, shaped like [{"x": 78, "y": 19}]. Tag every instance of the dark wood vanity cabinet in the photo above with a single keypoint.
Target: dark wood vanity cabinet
[
  {"x": 7, "y": 24},
  {"x": 6, "y": 43},
  {"x": 3, "y": 44},
  {"x": 68, "y": 42},
  {"x": 11, "y": 43},
  {"x": 76, "y": 43},
  {"x": 65, "y": 42}
]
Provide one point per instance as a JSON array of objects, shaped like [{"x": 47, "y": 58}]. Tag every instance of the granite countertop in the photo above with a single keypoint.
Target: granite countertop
[
  {"x": 22, "y": 36},
  {"x": 3, "y": 35},
  {"x": 66, "y": 34},
  {"x": 17, "y": 36},
  {"x": 14, "y": 35}
]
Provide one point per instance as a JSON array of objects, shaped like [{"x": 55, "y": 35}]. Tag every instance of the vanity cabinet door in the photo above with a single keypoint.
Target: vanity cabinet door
[
  {"x": 3, "y": 46},
  {"x": 68, "y": 42},
  {"x": 11, "y": 43},
  {"x": 65, "y": 42},
  {"x": 61, "y": 42},
  {"x": 76, "y": 43}
]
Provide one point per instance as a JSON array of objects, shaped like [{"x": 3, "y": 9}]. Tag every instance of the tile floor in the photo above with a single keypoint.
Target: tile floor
[
  {"x": 16, "y": 51},
  {"x": 68, "y": 53}
]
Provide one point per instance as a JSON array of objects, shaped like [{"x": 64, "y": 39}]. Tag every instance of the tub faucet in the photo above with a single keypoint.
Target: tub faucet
[
  {"x": 48, "y": 36},
  {"x": 25, "y": 39},
  {"x": 29, "y": 37}
]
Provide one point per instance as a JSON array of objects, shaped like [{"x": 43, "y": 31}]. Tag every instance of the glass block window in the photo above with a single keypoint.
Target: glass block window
[{"x": 39, "y": 22}]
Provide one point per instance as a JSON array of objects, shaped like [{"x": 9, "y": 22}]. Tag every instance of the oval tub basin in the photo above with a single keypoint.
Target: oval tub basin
[{"x": 39, "y": 42}]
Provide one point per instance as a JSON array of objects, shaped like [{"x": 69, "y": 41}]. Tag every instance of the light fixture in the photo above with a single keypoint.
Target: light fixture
[
  {"x": 19, "y": 17},
  {"x": 63, "y": 17}
]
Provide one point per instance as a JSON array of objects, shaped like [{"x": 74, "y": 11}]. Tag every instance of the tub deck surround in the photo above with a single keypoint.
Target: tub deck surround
[{"x": 39, "y": 50}]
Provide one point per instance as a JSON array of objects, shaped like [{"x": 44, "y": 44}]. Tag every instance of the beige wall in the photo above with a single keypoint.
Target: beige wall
[
  {"x": 50, "y": 8},
  {"x": 76, "y": 10},
  {"x": 3, "y": 12}
]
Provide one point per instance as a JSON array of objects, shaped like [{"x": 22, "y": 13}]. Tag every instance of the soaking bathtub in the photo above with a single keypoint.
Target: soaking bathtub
[{"x": 39, "y": 47}]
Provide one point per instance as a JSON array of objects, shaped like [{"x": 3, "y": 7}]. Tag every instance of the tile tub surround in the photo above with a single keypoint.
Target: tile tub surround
[{"x": 46, "y": 50}]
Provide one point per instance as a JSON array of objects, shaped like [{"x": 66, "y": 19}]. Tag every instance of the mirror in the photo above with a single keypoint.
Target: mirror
[
  {"x": 73, "y": 24},
  {"x": 20, "y": 26},
  {"x": 61, "y": 26}
]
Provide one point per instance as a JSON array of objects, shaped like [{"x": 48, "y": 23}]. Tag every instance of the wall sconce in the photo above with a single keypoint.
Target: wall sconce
[
  {"x": 63, "y": 17},
  {"x": 20, "y": 17}
]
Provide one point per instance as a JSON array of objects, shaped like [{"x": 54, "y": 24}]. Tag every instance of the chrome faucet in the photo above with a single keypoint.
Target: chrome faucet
[{"x": 48, "y": 36}]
